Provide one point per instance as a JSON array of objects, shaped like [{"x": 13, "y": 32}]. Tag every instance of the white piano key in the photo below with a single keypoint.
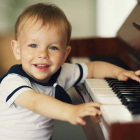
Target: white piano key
[
  {"x": 105, "y": 94},
  {"x": 94, "y": 82},
  {"x": 101, "y": 90},
  {"x": 111, "y": 100},
  {"x": 112, "y": 109},
  {"x": 98, "y": 86},
  {"x": 104, "y": 91},
  {"x": 116, "y": 113}
]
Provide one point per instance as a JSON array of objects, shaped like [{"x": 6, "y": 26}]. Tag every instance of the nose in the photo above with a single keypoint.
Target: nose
[{"x": 43, "y": 54}]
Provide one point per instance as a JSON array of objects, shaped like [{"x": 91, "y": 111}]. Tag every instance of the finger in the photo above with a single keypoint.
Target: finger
[
  {"x": 97, "y": 118},
  {"x": 125, "y": 78},
  {"x": 92, "y": 110},
  {"x": 89, "y": 113},
  {"x": 137, "y": 72},
  {"x": 132, "y": 76},
  {"x": 81, "y": 121},
  {"x": 129, "y": 74},
  {"x": 125, "y": 75}
]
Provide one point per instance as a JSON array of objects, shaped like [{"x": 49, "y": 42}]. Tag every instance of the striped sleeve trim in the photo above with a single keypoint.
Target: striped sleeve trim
[
  {"x": 14, "y": 94},
  {"x": 80, "y": 76}
]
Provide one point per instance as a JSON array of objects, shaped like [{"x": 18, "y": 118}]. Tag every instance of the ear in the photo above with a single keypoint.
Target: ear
[
  {"x": 16, "y": 49},
  {"x": 66, "y": 53}
]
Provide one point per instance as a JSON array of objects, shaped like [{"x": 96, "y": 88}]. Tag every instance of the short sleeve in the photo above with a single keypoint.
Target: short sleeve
[
  {"x": 72, "y": 74},
  {"x": 12, "y": 86},
  {"x": 84, "y": 72}
]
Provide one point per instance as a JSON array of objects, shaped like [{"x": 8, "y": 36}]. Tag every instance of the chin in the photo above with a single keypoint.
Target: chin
[{"x": 42, "y": 79}]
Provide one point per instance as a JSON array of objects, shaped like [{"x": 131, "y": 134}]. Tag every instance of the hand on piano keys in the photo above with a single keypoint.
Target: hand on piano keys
[
  {"x": 137, "y": 72},
  {"x": 124, "y": 75},
  {"x": 121, "y": 100},
  {"x": 79, "y": 112},
  {"x": 99, "y": 69}
]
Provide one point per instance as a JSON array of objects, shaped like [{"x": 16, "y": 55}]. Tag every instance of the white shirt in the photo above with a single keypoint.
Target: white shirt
[{"x": 17, "y": 123}]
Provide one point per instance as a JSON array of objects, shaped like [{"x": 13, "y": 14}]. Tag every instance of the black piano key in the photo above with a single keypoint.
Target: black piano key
[
  {"x": 117, "y": 83},
  {"x": 131, "y": 94},
  {"x": 132, "y": 106},
  {"x": 126, "y": 87},
  {"x": 128, "y": 92},
  {"x": 125, "y": 98},
  {"x": 110, "y": 80},
  {"x": 135, "y": 112},
  {"x": 135, "y": 104},
  {"x": 116, "y": 90},
  {"x": 132, "y": 100}
]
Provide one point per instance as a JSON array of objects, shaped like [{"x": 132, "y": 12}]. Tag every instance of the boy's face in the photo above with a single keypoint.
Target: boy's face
[{"x": 42, "y": 50}]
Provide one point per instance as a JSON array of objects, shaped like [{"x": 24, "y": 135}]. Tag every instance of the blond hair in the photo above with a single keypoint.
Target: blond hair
[{"x": 49, "y": 14}]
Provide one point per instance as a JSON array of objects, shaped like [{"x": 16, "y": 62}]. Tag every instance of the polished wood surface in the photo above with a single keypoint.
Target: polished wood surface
[
  {"x": 92, "y": 129},
  {"x": 106, "y": 47},
  {"x": 87, "y": 47},
  {"x": 126, "y": 131}
]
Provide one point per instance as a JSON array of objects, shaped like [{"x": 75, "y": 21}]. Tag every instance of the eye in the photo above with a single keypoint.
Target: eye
[
  {"x": 33, "y": 45},
  {"x": 53, "y": 48}
]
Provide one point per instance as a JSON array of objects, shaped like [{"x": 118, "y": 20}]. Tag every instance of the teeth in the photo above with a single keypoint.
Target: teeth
[{"x": 41, "y": 65}]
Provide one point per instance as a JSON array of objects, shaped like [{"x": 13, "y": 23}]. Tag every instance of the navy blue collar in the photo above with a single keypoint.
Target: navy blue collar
[
  {"x": 17, "y": 69},
  {"x": 60, "y": 93}
]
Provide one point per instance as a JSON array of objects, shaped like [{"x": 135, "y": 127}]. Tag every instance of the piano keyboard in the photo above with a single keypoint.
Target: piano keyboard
[{"x": 121, "y": 100}]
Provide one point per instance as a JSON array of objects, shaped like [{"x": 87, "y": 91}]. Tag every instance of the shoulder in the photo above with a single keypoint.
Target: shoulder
[
  {"x": 12, "y": 86},
  {"x": 72, "y": 67},
  {"x": 12, "y": 81},
  {"x": 72, "y": 74}
]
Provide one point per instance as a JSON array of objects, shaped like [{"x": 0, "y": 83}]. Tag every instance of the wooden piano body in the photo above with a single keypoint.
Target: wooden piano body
[{"x": 123, "y": 50}]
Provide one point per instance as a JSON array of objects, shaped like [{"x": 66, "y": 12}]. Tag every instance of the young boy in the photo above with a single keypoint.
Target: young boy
[{"x": 32, "y": 94}]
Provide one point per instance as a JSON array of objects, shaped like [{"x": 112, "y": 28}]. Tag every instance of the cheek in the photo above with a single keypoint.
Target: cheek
[
  {"x": 58, "y": 58},
  {"x": 56, "y": 54},
  {"x": 26, "y": 55}
]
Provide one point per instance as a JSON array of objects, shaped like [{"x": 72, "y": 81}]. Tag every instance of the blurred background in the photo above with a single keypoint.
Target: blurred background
[{"x": 89, "y": 19}]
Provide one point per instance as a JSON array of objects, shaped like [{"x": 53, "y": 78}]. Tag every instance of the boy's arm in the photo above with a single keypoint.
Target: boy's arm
[
  {"x": 48, "y": 106},
  {"x": 98, "y": 69}
]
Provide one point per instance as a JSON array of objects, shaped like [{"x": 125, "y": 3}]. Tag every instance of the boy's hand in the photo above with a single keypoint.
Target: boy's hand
[
  {"x": 137, "y": 72},
  {"x": 125, "y": 75},
  {"x": 77, "y": 113}
]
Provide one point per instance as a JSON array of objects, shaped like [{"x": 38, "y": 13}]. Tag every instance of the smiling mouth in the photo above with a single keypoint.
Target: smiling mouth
[{"x": 41, "y": 66}]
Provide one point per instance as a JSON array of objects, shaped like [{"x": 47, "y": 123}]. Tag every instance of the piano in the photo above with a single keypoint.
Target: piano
[{"x": 121, "y": 109}]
